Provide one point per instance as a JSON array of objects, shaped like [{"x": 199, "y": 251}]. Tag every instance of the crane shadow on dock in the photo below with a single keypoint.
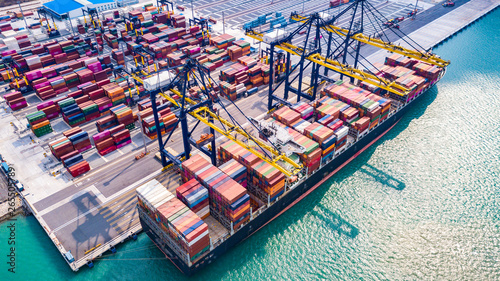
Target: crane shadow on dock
[
  {"x": 88, "y": 230},
  {"x": 382, "y": 177},
  {"x": 335, "y": 222}
]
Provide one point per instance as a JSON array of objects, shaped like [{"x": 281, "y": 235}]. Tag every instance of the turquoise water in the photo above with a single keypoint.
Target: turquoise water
[{"x": 421, "y": 204}]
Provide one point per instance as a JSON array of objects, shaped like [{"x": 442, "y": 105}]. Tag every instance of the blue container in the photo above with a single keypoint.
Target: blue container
[
  {"x": 76, "y": 117},
  {"x": 73, "y": 160},
  {"x": 79, "y": 136},
  {"x": 240, "y": 202}
]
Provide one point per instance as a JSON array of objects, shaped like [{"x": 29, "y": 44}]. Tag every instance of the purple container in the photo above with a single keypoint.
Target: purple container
[
  {"x": 45, "y": 104},
  {"x": 100, "y": 135},
  {"x": 53, "y": 115},
  {"x": 123, "y": 144},
  {"x": 41, "y": 85},
  {"x": 85, "y": 148}
]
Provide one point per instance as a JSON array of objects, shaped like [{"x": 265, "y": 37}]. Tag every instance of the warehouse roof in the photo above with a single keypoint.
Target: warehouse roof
[
  {"x": 62, "y": 6},
  {"x": 96, "y": 2}
]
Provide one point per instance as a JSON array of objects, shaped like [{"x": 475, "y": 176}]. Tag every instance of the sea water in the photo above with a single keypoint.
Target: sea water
[{"x": 421, "y": 203}]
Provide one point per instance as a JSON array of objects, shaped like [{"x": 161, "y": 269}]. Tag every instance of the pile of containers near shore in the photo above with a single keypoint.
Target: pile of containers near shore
[
  {"x": 228, "y": 199},
  {"x": 174, "y": 218}
]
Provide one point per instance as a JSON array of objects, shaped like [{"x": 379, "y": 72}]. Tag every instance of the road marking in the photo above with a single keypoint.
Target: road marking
[
  {"x": 120, "y": 213},
  {"x": 102, "y": 157},
  {"x": 108, "y": 213},
  {"x": 121, "y": 152},
  {"x": 126, "y": 224}
]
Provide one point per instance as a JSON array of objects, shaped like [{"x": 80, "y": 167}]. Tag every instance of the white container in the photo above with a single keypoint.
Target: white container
[
  {"x": 89, "y": 61},
  {"x": 158, "y": 81},
  {"x": 302, "y": 126},
  {"x": 275, "y": 35}
]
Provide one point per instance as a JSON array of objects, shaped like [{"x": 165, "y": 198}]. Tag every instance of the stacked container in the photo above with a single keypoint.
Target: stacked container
[
  {"x": 120, "y": 135},
  {"x": 236, "y": 171},
  {"x": 79, "y": 139},
  {"x": 72, "y": 114},
  {"x": 227, "y": 198},
  {"x": 174, "y": 218},
  {"x": 123, "y": 115},
  {"x": 15, "y": 100},
  {"x": 50, "y": 109},
  {"x": 195, "y": 196},
  {"x": 115, "y": 93},
  {"x": 267, "y": 178},
  {"x": 304, "y": 109},
  {"x": 61, "y": 147},
  {"x": 325, "y": 137},
  {"x": 104, "y": 143},
  {"x": 105, "y": 123},
  {"x": 90, "y": 110},
  {"x": 39, "y": 123},
  {"x": 286, "y": 116}
]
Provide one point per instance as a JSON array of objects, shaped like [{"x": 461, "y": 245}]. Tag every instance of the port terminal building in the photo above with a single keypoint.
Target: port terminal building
[{"x": 62, "y": 9}]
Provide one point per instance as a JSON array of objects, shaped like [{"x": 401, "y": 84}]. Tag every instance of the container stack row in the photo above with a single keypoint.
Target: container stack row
[
  {"x": 15, "y": 100},
  {"x": 109, "y": 140},
  {"x": 227, "y": 197},
  {"x": 174, "y": 218},
  {"x": 195, "y": 196},
  {"x": 39, "y": 123}
]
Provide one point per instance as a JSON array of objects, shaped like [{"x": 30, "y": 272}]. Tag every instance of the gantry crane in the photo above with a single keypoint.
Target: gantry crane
[
  {"x": 203, "y": 110},
  {"x": 44, "y": 15},
  {"x": 317, "y": 27},
  {"x": 93, "y": 15}
]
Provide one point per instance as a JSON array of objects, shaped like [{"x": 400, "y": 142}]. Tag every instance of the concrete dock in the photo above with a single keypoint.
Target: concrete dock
[{"x": 90, "y": 214}]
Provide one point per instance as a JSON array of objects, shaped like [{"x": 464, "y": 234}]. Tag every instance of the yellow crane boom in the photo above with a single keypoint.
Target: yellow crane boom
[
  {"x": 204, "y": 114},
  {"x": 425, "y": 57},
  {"x": 345, "y": 69}
]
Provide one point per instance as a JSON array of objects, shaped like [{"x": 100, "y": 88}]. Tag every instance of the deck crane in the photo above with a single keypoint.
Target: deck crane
[
  {"x": 348, "y": 39},
  {"x": 202, "y": 110}
]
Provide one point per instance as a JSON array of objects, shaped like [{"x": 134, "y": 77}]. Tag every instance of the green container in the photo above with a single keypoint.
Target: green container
[
  {"x": 118, "y": 102},
  {"x": 130, "y": 126},
  {"x": 43, "y": 131},
  {"x": 35, "y": 116},
  {"x": 77, "y": 121},
  {"x": 148, "y": 23}
]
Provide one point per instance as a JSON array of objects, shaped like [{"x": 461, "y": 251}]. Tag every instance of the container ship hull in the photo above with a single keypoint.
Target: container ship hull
[{"x": 289, "y": 199}]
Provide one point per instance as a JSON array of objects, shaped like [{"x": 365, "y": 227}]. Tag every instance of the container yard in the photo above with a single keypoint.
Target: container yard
[{"x": 244, "y": 123}]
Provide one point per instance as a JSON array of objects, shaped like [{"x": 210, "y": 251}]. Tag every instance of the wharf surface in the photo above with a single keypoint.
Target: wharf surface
[{"x": 94, "y": 212}]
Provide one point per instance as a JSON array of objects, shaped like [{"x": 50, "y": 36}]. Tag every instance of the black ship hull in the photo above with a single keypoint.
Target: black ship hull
[{"x": 288, "y": 200}]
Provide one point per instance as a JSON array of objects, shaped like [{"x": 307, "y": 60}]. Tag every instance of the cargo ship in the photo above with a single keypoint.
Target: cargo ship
[{"x": 335, "y": 129}]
